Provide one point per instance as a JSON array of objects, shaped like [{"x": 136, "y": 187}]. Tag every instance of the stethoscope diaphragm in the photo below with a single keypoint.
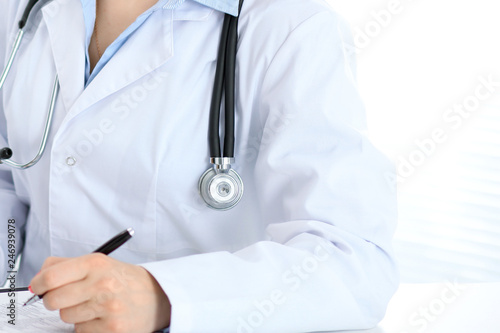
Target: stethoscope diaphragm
[{"x": 221, "y": 189}]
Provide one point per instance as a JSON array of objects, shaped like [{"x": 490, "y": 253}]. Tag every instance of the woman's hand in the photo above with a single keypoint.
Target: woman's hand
[{"x": 100, "y": 294}]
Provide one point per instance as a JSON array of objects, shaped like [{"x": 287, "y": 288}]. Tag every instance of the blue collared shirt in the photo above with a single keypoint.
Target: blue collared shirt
[{"x": 89, "y": 13}]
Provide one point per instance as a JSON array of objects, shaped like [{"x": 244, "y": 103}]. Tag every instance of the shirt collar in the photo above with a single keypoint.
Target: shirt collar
[{"x": 225, "y": 6}]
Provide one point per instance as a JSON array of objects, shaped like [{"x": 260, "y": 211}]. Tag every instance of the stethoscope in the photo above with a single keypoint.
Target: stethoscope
[
  {"x": 6, "y": 153},
  {"x": 220, "y": 186}
]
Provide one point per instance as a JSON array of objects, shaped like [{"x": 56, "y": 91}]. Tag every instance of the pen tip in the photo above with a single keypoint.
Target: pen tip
[
  {"x": 32, "y": 300},
  {"x": 131, "y": 231}
]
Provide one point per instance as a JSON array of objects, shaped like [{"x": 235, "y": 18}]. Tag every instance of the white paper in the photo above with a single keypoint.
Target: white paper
[{"x": 31, "y": 318}]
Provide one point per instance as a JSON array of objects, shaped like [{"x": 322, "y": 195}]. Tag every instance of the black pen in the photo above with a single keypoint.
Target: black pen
[
  {"x": 105, "y": 248},
  {"x": 7, "y": 290}
]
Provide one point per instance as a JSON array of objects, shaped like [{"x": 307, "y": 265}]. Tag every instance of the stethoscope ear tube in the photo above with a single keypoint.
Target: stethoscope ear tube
[
  {"x": 48, "y": 124},
  {"x": 13, "y": 54},
  {"x": 26, "y": 14},
  {"x": 17, "y": 42}
]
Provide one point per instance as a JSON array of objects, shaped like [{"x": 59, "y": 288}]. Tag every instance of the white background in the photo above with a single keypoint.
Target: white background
[{"x": 412, "y": 68}]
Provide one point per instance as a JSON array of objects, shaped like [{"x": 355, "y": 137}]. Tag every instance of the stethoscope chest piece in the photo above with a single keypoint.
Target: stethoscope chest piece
[{"x": 221, "y": 187}]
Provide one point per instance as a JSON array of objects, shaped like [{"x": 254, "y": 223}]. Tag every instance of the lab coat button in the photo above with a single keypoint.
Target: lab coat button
[{"x": 70, "y": 160}]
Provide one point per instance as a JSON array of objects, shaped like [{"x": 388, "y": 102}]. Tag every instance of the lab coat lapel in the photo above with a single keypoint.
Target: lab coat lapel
[
  {"x": 140, "y": 55},
  {"x": 145, "y": 51},
  {"x": 64, "y": 21}
]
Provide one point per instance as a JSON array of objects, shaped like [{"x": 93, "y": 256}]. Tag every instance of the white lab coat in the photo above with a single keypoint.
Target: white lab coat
[{"x": 306, "y": 249}]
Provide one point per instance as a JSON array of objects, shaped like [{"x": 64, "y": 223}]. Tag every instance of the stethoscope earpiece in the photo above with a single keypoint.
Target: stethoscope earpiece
[{"x": 5, "y": 153}]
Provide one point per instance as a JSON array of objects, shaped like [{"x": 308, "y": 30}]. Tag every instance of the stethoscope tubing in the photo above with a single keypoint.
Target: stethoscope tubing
[
  {"x": 213, "y": 123},
  {"x": 22, "y": 23},
  {"x": 12, "y": 56},
  {"x": 46, "y": 131},
  {"x": 230, "y": 69},
  {"x": 27, "y": 12},
  {"x": 224, "y": 81}
]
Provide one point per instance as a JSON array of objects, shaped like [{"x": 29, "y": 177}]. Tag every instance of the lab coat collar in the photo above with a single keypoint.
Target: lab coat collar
[
  {"x": 141, "y": 55},
  {"x": 192, "y": 11},
  {"x": 68, "y": 46},
  {"x": 127, "y": 66},
  {"x": 226, "y": 6}
]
